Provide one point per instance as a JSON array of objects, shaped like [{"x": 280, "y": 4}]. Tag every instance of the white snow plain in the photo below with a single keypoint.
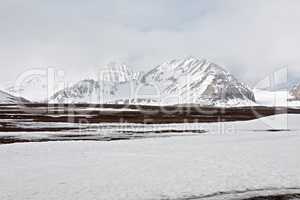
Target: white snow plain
[
  {"x": 231, "y": 157},
  {"x": 274, "y": 98}
]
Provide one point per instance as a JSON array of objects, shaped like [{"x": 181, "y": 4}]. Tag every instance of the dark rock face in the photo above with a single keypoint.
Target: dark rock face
[{"x": 223, "y": 88}]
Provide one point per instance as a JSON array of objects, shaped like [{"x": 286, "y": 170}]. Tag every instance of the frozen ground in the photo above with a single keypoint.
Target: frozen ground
[
  {"x": 274, "y": 98},
  {"x": 232, "y": 160}
]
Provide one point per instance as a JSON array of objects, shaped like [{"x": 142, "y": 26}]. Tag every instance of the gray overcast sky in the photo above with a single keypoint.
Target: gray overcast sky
[{"x": 246, "y": 36}]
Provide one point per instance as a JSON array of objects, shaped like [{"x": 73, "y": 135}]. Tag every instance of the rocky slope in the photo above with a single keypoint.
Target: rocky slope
[
  {"x": 85, "y": 91},
  {"x": 6, "y": 98},
  {"x": 194, "y": 80},
  {"x": 295, "y": 92}
]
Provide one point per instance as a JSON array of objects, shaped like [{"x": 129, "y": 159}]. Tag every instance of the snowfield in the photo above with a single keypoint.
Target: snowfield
[
  {"x": 238, "y": 158},
  {"x": 274, "y": 98}
]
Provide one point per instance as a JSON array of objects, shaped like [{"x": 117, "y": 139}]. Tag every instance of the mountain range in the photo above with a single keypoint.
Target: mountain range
[{"x": 180, "y": 81}]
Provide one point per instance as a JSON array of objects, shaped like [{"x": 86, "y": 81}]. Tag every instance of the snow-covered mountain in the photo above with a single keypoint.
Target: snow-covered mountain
[
  {"x": 85, "y": 91},
  {"x": 114, "y": 83},
  {"x": 35, "y": 89},
  {"x": 295, "y": 92},
  {"x": 116, "y": 72},
  {"x": 180, "y": 81},
  {"x": 6, "y": 98},
  {"x": 194, "y": 80}
]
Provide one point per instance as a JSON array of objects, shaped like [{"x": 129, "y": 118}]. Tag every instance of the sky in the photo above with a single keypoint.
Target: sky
[{"x": 250, "y": 38}]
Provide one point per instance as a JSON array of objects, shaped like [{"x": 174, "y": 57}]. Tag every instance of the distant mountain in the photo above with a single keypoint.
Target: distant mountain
[
  {"x": 6, "y": 98},
  {"x": 194, "y": 80},
  {"x": 34, "y": 89},
  {"x": 106, "y": 89},
  {"x": 295, "y": 92},
  {"x": 116, "y": 72},
  {"x": 85, "y": 91},
  {"x": 180, "y": 81}
]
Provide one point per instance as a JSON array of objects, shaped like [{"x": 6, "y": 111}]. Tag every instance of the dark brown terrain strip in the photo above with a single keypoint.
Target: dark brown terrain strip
[
  {"x": 75, "y": 113},
  {"x": 276, "y": 197},
  {"x": 26, "y": 118}
]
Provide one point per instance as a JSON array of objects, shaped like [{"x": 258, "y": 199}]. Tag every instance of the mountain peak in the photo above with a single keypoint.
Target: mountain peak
[
  {"x": 189, "y": 64},
  {"x": 188, "y": 59},
  {"x": 197, "y": 80},
  {"x": 116, "y": 72},
  {"x": 115, "y": 65}
]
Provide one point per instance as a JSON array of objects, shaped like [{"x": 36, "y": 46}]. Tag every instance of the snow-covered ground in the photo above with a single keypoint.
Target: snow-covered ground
[
  {"x": 233, "y": 157},
  {"x": 274, "y": 98}
]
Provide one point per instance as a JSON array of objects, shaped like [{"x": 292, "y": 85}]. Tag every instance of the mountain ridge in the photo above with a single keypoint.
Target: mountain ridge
[
  {"x": 190, "y": 80},
  {"x": 6, "y": 98}
]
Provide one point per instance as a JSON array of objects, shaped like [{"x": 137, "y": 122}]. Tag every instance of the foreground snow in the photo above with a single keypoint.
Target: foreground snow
[{"x": 231, "y": 157}]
